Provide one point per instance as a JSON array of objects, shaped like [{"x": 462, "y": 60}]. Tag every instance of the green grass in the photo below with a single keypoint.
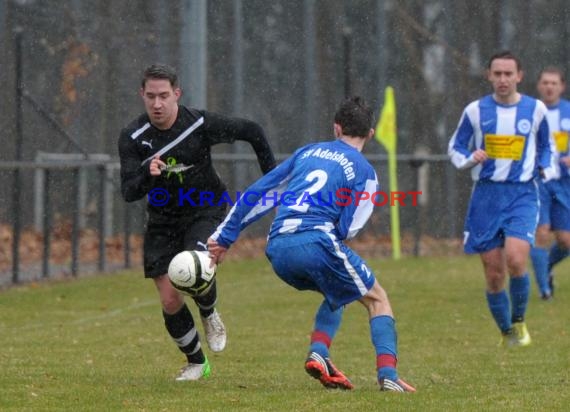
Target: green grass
[{"x": 99, "y": 344}]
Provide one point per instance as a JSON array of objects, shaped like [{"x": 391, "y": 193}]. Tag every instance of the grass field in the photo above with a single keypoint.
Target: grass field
[{"x": 98, "y": 344}]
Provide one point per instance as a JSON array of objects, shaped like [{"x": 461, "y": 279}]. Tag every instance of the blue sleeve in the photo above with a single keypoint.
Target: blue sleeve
[
  {"x": 257, "y": 200},
  {"x": 544, "y": 145},
  {"x": 547, "y": 156},
  {"x": 459, "y": 148}
]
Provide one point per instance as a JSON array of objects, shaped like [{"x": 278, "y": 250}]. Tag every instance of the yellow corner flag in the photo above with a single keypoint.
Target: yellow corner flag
[
  {"x": 386, "y": 127},
  {"x": 386, "y": 134}
]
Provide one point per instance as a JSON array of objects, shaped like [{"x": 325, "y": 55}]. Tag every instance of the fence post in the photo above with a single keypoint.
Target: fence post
[
  {"x": 17, "y": 225},
  {"x": 102, "y": 217},
  {"x": 75, "y": 222},
  {"x": 46, "y": 224}
]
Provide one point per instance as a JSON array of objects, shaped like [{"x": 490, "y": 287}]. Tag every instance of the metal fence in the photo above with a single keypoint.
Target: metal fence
[{"x": 81, "y": 198}]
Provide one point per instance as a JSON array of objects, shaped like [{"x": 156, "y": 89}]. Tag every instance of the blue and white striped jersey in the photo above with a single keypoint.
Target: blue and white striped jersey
[
  {"x": 516, "y": 138},
  {"x": 558, "y": 117},
  {"x": 316, "y": 189}
]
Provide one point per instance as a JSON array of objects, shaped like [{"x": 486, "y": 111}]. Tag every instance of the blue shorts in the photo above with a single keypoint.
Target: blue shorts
[
  {"x": 498, "y": 210},
  {"x": 318, "y": 261},
  {"x": 555, "y": 204}
]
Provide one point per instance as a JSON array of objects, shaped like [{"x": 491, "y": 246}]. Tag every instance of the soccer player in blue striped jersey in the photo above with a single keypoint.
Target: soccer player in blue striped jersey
[
  {"x": 504, "y": 139},
  {"x": 324, "y": 192},
  {"x": 555, "y": 194}
]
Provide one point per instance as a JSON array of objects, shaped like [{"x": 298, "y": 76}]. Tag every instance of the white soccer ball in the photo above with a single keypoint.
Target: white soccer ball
[{"x": 190, "y": 272}]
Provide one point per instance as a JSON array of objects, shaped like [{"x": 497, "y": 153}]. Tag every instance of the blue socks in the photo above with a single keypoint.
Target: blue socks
[
  {"x": 385, "y": 341},
  {"x": 539, "y": 257},
  {"x": 519, "y": 288},
  {"x": 327, "y": 322},
  {"x": 556, "y": 255},
  {"x": 506, "y": 312},
  {"x": 499, "y": 306}
]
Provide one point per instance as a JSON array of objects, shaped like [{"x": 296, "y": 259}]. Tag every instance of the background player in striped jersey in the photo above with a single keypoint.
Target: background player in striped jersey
[
  {"x": 305, "y": 244},
  {"x": 554, "y": 194},
  {"x": 167, "y": 152},
  {"x": 504, "y": 139}
]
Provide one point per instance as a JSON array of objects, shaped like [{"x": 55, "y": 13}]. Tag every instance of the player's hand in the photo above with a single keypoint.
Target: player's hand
[
  {"x": 479, "y": 155},
  {"x": 565, "y": 160},
  {"x": 217, "y": 252},
  {"x": 156, "y": 166}
]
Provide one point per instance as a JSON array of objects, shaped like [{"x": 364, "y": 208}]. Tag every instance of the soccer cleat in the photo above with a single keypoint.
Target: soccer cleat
[
  {"x": 323, "y": 369},
  {"x": 195, "y": 371},
  {"x": 521, "y": 333},
  {"x": 546, "y": 296},
  {"x": 395, "y": 386},
  {"x": 517, "y": 336},
  {"x": 215, "y": 332}
]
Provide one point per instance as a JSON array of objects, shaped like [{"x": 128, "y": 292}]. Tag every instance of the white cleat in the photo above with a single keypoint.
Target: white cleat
[
  {"x": 215, "y": 332},
  {"x": 194, "y": 371}
]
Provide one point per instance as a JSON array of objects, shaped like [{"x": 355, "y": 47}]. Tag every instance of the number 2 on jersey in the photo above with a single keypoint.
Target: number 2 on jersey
[{"x": 319, "y": 177}]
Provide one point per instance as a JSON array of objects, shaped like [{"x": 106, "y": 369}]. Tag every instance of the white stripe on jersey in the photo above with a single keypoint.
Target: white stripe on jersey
[
  {"x": 173, "y": 143},
  {"x": 140, "y": 131},
  {"x": 553, "y": 118}
]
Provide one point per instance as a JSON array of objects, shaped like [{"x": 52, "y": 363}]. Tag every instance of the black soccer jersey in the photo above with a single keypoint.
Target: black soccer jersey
[{"x": 190, "y": 176}]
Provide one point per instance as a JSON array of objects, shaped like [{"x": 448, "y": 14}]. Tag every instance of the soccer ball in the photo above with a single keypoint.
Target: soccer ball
[{"x": 190, "y": 272}]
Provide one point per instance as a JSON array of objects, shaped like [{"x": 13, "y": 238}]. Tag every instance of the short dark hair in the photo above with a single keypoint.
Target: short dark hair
[
  {"x": 160, "y": 71},
  {"x": 507, "y": 55},
  {"x": 354, "y": 117},
  {"x": 553, "y": 70}
]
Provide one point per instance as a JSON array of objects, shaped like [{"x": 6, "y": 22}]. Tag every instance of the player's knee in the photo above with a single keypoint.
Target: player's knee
[
  {"x": 495, "y": 284},
  {"x": 516, "y": 264},
  {"x": 171, "y": 301},
  {"x": 172, "y": 306},
  {"x": 495, "y": 278}
]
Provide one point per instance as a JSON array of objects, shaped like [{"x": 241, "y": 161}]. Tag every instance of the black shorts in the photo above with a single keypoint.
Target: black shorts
[{"x": 163, "y": 241}]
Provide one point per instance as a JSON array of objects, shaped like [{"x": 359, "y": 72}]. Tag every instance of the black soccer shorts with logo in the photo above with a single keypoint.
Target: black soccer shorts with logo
[{"x": 164, "y": 239}]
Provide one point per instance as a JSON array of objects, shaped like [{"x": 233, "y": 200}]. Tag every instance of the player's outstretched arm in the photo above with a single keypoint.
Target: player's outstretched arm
[
  {"x": 229, "y": 129},
  {"x": 217, "y": 252}
]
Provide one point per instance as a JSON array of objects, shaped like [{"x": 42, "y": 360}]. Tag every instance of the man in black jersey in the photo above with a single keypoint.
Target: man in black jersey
[{"x": 165, "y": 154}]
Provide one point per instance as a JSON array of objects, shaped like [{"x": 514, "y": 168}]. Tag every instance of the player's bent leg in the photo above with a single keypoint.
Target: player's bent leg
[
  {"x": 318, "y": 363},
  {"x": 384, "y": 339},
  {"x": 327, "y": 322},
  {"x": 516, "y": 251},
  {"x": 539, "y": 259},
  {"x": 497, "y": 297},
  {"x": 214, "y": 328},
  {"x": 180, "y": 326},
  {"x": 215, "y": 332},
  {"x": 494, "y": 269}
]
